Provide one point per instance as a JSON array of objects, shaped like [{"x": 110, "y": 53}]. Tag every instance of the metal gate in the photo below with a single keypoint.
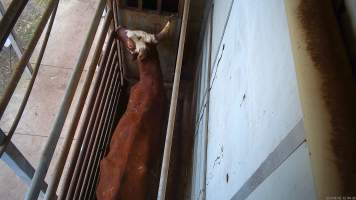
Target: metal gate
[{"x": 105, "y": 97}]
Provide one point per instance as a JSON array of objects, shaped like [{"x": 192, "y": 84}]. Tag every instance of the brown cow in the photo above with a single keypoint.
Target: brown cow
[{"x": 127, "y": 171}]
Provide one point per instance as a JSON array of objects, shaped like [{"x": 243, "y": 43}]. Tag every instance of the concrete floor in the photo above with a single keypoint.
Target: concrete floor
[{"x": 67, "y": 37}]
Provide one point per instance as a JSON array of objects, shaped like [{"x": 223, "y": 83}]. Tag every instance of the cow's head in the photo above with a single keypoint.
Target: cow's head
[{"x": 138, "y": 42}]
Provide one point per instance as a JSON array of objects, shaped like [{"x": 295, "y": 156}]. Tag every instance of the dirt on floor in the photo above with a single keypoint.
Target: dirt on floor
[{"x": 24, "y": 28}]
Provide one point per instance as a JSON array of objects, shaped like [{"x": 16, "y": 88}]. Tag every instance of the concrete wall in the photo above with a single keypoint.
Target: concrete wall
[{"x": 253, "y": 105}]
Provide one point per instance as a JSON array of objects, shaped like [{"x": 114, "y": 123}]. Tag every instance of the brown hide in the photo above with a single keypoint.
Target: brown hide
[{"x": 129, "y": 171}]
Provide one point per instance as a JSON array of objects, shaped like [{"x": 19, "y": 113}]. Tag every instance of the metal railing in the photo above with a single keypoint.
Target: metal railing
[
  {"x": 107, "y": 88},
  {"x": 173, "y": 105},
  {"x": 105, "y": 103},
  {"x": 54, "y": 135},
  {"x": 8, "y": 151}
]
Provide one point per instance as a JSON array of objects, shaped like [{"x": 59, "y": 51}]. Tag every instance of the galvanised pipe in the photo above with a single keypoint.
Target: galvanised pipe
[
  {"x": 83, "y": 139},
  {"x": 9, "y": 19},
  {"x": 81, "y": 136},
  {"x": 104, "y": 147},
  {"x": 115, "y": 8},
  {"x": 173, "y": 105},
  {"x": 51, "y": 144},
  {"x": 105, "y": 131},
  {"x": 21, "y": 65},
  {"x": 52, "y": 188},
  {"x": 102, "y": 135},
  {"x": 94, "y": 139},
  {"x": 327, "y": 94},
  {"x": 30, "y": 85},
  {"x": 84, "y": 156},
  {"x": 207, "y": 115}
]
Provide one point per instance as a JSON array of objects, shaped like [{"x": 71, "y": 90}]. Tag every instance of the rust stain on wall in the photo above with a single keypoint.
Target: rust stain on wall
[{"x": 328, "y": 54}]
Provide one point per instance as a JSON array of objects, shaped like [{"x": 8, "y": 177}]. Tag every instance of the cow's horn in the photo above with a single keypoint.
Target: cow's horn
[{"x": 164, "y": 32}]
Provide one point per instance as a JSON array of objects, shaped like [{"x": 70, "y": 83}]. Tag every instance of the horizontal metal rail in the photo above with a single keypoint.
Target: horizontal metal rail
[
  {"x": 52, "y": 141},
  {"x": 78, "y": 110},
  {"x": 12, "y": 130},
  {"x": 10, "y": 18},
  {"x": 173, "y": 105},
  {"x": 20, "y": 67}
]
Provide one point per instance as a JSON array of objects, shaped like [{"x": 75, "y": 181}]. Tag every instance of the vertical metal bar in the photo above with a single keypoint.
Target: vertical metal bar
[
  {"x": 89, "y": 133},
  {"x": 14, "y": 40},
  {"x": 173, "y": 106},
  {"x": 19, "y": 164},
  {"x": 159, "y": 6},
  {"x": 103, "y": 148},
  {"x": 140, "y": 4},
  {"x": 51, "y": 144},
  {"x": 103, "y": 133},
  {"x": 10, "y": 18},
  {"x": 82, "y": 137},
  {"x": 95, "y": 135},
  {"x": 25, "y": 58},
  {"x": 78, "y": 111},
  {"x": 115, "y": 8},
  {"x": 206, "y": 134},
  {"x": 30, "y": 85}
]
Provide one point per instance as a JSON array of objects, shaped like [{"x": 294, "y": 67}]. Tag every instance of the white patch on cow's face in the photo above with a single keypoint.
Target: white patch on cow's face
[{"x": 141, "y": 38}]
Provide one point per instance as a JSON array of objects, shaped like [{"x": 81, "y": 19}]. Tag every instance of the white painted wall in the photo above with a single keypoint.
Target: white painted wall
[
  {"x": 292, "y": 180},
  {"x": 254, "y": 99},
  {"x": 221, "y": 14}
]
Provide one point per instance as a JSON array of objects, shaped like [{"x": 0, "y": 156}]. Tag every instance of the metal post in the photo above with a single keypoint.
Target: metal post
[
  {"x": 327, "y": 94},
  {"x": 159, "y": 6},
  {"x": 140, "y": 4},
  {"x": 173, "y": 106},
  {"x": 51, "y": 144},
  {"x": 206, "y": 133},
  {"x": 10, "y": 18}
]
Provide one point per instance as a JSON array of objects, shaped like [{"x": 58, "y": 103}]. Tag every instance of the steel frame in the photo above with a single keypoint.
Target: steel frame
[{"x": 98, "y": 120}]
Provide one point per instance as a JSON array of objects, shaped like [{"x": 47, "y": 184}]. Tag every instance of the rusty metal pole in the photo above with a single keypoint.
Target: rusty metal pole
[{"x": 327, "y": 95}]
